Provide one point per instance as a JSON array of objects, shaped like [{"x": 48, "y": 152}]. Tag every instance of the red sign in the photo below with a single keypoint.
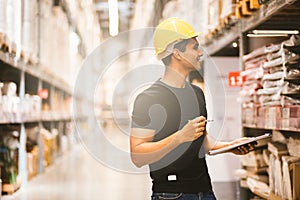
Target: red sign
[
  {"x": 235, "y": 79},
  {"x": 43, "y": 93}
]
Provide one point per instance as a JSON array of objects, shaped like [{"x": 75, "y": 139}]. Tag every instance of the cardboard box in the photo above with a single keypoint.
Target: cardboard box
[
  {"x": 277, "y": 149},
  {"x": 294, "y": 123},
  {"x": 258, "y": 187},
  {"x": 249, "y": 116},
  {"x": 294, "y": 112},
  {"x": 285, "y": 113},
  {"x": 296, "y": 181},
  {"x": 253, "y": 159},
  {"x": 273, "y": 117},
  {"x": 238, "y": 10},
  {"x": 33, "y": 162},
  {"x": 287, "y": 169},
  {"x": 293, "y": 146},
  {"x": 278, "y": 178},
  {"x": 275, "y": 197},
  {"x": 261, "y": 112},
  {"x": 254, "y": 4},
  {"x": 246, "y": 10}
]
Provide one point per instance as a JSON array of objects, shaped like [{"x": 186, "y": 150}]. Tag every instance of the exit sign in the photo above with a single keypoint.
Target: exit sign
[{"x": 235, "y": 79}]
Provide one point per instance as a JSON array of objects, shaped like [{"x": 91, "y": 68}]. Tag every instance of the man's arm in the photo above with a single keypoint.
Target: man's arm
[{"x": 144, "y": 151}]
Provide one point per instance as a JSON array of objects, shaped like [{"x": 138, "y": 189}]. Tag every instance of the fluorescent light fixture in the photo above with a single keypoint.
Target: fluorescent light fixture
[
  {"x": 275, "y": 32},
  {"x": 267, "y": 35},
  {"x": 113, "y": 17}
]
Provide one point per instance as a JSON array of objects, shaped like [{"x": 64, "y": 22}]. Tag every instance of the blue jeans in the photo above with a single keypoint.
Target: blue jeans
[{"x": 184, "y": 196}]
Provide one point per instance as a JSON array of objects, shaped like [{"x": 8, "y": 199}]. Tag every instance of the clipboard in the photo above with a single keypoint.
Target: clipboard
[{"x": 231, "y": 147}]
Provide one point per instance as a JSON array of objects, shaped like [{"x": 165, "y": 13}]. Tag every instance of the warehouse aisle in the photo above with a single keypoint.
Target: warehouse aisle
[{"x": 78, "y": 176}]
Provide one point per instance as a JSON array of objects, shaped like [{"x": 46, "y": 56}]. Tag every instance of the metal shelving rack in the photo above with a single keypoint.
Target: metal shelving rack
[
  {"x": 275, "y": 14},
  {"x": 52, "y": 117}
]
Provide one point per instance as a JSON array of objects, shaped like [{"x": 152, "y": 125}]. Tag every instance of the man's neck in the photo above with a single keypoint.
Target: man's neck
[{"x": 174, "y": 77}]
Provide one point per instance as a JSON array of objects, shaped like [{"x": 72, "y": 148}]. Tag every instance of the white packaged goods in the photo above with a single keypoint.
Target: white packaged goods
[
  {"x": 30, "y": 28},
  {"x": 13, "y": 22},
  {"x": 142, "y": 18},
  {"x": 178, "y": 9},
  {"x": 45, "y": 33},
  {"x": 54, "y": 53},
  {"x": 214, "y": 13},
  {"x": 3, "y": 16},
  {"x": 228, "y": 8}
]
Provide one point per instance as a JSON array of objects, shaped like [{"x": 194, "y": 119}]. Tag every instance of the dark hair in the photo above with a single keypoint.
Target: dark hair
[{"x": 181, "y": 46}]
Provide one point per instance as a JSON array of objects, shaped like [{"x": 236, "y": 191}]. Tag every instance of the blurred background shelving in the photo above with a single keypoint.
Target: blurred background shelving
[{"x": 44, "y": 45}]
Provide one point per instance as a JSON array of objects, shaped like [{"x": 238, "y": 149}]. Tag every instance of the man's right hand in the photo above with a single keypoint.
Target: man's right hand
[{"x": 194, "y": 129}]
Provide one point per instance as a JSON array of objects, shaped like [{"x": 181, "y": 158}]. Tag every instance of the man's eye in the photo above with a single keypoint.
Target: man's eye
[{"x": 196, "y": 46}]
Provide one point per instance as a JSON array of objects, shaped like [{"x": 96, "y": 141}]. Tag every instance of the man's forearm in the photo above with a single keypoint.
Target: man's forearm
[{"x": 150, "y": 152}]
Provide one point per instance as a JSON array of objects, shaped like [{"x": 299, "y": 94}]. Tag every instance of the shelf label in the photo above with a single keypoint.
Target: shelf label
[{"x": 235, "y": 79}]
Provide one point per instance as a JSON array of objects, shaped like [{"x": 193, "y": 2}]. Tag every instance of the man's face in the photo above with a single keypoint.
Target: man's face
[{"x": 192, "y": 54}]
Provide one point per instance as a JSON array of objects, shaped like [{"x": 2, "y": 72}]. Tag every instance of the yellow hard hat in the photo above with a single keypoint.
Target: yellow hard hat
[{"x": 170, "y": 31}]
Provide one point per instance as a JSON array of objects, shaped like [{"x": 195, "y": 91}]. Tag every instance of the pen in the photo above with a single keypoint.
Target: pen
[{"x": 208, "y": 120}]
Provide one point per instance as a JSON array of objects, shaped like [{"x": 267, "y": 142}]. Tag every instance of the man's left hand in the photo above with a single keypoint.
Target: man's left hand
[{"x": 244, "y": 149}]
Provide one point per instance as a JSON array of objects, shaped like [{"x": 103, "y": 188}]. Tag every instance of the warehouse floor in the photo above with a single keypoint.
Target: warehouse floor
[{"x": 77, "y": 176}]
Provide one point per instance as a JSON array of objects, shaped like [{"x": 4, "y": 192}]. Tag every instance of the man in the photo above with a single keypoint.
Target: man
[{"x": 169, "y": 120}]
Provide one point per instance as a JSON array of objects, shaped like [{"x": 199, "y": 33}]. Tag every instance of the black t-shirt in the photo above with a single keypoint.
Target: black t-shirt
[{"x": 166, "y": 110}]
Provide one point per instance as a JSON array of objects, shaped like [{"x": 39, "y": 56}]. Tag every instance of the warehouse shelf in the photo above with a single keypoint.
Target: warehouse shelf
[
  {"x": 35, "y": 75},
  {"x": 55, "y": 116},
  {"x": 36, "y": 71},
  {"x": 265, "y": 17},
  {"x": 265, "y": 13},
  {"x": 45, "y": 116},
  {"x": 296, "y": 130}
]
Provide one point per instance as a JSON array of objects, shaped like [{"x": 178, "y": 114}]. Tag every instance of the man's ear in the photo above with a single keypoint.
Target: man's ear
[{"x": 176, "y": 54}]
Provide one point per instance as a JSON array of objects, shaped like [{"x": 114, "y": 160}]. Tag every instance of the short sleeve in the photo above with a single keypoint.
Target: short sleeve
[{"x": 140, "y": 115}]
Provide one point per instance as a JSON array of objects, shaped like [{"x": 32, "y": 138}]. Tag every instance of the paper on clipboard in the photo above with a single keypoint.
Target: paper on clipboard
[{"x": 231, "y": 147}]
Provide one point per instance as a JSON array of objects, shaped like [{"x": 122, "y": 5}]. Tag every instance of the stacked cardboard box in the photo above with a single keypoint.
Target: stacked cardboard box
[
  {"x": 33, "y": 162},
  {"x": 50, "y": 146},
  {"x": 283, "y": 168},
  {"x": 245, "y": 8},
  {"x": 273, "y": 172}
]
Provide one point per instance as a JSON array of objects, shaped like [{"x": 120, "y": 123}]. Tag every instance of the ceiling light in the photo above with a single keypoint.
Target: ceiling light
[
  {"x": 234, "y": 44},
  {"x": 275, "y": 32},
  {"x": 113, "y": 17},
  {"x": 267, "y": 35}
]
